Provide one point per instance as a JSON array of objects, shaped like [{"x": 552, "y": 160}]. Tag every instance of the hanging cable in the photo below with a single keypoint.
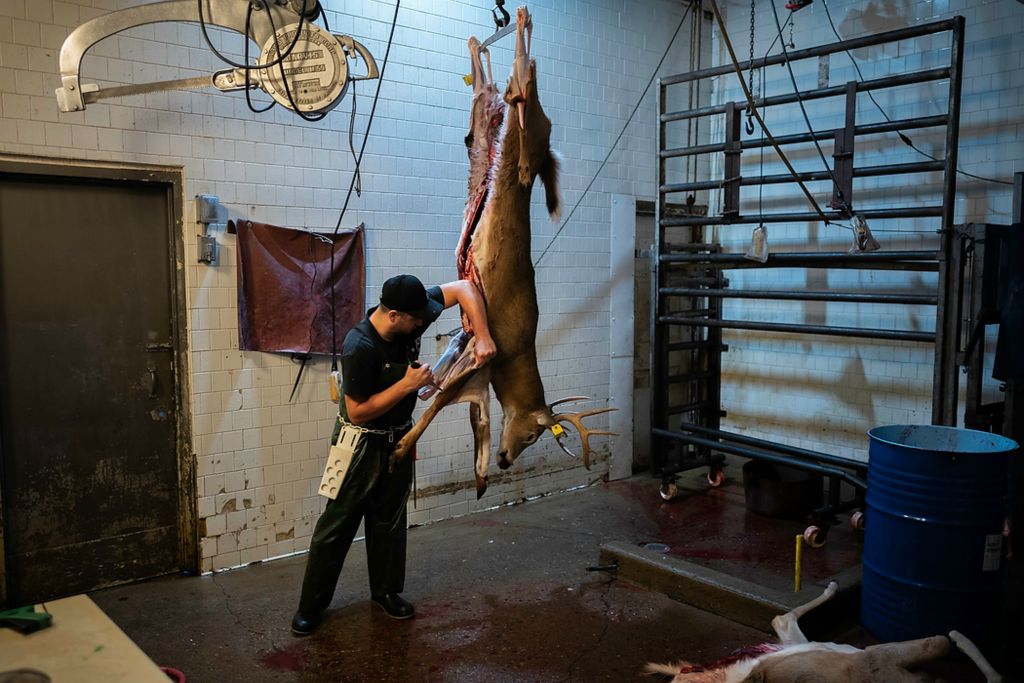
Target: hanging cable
[
  {"x": 355, "y": 179},
  {"x": 247, "y": 66},
  {"x": 614, "y": 144},
  {"x": 695, "y": 19},
  {"x": 757, "y": 114},
  {"x": 352, "y": 146},
  {"x": 810, "y": 129},
  {"x": 904, "y": 137},
  {"x": 248, "y": 89},
  {"x": 373, "y": 110}
]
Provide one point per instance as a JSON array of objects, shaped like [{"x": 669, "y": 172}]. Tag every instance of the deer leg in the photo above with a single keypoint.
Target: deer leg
[
  {"x": 520, "y": 66},
  {"x": 480, "y": 419},
  {"x": 479, "y": 76},
  {"x": 448, "y": 395},
  {"x": 910, "y": 653},
  {"x": 518, "y": 88},
  {"x": 965, "y": 645},
  {"x": 786, "y": 625}
]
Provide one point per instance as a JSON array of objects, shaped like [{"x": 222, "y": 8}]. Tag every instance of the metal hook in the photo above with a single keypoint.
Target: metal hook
[{"x": 505, "y": 18}]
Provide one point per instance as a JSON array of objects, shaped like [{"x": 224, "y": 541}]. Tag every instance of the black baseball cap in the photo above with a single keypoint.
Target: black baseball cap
[{"x": 406, "y": 294}]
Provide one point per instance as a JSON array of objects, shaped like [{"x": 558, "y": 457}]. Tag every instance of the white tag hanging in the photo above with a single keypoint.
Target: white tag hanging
[
  {"x": 338, "y": 461},
  {"x": 758, "y": 250}
]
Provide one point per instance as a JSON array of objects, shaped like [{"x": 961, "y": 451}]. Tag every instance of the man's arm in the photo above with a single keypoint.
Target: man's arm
[
  {"x": 361, "y": 412},
  {"x": 465, "y": 294}
]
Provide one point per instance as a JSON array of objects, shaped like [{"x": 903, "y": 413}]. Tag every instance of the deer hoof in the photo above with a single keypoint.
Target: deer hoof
[{"x": 481, "y": 486}]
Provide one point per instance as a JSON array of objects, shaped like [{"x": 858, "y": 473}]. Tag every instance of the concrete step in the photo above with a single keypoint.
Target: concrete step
[{"x": 733, "y": 597}]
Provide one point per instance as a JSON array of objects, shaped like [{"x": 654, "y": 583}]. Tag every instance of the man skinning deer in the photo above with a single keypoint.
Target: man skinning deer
[{"x": 508, "y": 148}]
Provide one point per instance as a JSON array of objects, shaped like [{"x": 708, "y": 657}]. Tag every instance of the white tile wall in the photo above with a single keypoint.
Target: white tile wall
[
  {"x": 824, "y": 393},
  {"x": 259, "y": 456}
]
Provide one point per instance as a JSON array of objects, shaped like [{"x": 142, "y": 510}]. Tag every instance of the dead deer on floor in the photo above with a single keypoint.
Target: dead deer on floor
[
  {"x": 795, "y": 660},
  {"x": 508, "y": 149}
]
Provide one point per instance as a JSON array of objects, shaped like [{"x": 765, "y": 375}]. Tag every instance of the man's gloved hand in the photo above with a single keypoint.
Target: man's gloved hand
[{"x": 417, "y": 376}]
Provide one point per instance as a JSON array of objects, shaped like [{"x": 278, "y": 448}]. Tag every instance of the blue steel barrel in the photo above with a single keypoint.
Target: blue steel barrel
[{"x": 936, "y": 501}]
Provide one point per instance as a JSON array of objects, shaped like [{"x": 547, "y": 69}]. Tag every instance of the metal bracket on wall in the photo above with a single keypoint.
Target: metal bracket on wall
[{"x": 207, "y": 210}]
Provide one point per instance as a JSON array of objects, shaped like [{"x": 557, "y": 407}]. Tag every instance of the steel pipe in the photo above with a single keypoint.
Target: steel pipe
[
  {"x": 799, "y": 257},
  {"x": 809, "y": 216},
  {"x": 825, "y": 330},
  {"x": 852, "y": 479},
  {"x": 831, "y": 48},
  {"x": 862, "y": 172},
  {"x": 690, "y": 407},
  {"x": 772, "y": 445},
  {"x": 899, "y": 80},
  {"x": 843, "y": 297}
]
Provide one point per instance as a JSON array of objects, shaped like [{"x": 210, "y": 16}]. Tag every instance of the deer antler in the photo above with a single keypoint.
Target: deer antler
[{"x": 576, "y": 420}]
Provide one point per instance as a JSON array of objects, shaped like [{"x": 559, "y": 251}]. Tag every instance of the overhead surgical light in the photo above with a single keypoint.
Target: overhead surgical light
[{"x": 302, "y": 66}]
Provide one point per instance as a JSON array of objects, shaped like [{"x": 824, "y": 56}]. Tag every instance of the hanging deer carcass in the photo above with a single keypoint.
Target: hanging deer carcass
[{"x": 508, "y": 148}]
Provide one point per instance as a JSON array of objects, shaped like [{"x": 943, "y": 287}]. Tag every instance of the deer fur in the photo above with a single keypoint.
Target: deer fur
[
  {"x": 797, "y": 660},
  {"x": 508, "y": 148}
]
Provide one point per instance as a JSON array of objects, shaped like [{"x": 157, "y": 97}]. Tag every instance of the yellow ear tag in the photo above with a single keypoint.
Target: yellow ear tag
[
  {"x": 557, "y": 430},
  {"x": 468, "y": 79}
]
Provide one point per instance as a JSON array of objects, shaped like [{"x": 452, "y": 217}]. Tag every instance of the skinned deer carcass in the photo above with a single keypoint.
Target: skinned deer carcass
[
  {"x": 508, "y": 147},
  {"x": 795, "y": 659}
]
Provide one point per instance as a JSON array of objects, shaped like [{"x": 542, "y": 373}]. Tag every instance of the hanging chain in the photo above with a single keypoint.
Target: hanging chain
[{"x": 750, "y": 76}]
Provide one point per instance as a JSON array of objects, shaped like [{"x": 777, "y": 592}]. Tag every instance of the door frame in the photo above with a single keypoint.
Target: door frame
[{"x": 172, "y": 178}]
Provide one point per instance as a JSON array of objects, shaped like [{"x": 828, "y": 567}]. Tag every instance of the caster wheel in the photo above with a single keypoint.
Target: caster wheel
[
  {"x": 857, "y": 520},
  {"x": 669, "y": 491},
  {"x": 814, "y": 536},
  {"x": 716, "y": 477}
]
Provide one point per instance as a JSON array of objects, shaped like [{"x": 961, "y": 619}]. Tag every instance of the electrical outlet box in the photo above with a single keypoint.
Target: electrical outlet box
[{"x": 207, "y": 206}]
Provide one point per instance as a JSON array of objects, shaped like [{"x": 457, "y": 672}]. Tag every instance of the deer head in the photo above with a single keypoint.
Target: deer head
[{"x": 522, "y": 428}]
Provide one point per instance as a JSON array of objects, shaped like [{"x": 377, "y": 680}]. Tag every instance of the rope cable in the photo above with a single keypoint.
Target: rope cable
[
  {"x": 757, "y": 114},
  {"x": 803, "y": 110},
  {"x": 902, "y": 136}
]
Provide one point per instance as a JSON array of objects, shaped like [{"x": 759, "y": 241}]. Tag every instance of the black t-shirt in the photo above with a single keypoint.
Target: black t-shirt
[{"x": 370, "y": 364}]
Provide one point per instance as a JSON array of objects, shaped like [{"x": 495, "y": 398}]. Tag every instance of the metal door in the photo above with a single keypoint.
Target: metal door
[{"x": 88, "y": 395}]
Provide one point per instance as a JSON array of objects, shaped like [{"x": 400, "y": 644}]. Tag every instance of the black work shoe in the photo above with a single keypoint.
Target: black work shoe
[
  {"x": 394, "y": 605},
  {"x": 303, "y": 625}
]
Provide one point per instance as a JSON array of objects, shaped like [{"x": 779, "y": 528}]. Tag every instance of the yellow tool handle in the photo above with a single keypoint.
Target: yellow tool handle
[
  {"x": 799, "y": 552},
  {"x": 335, "y": 382}
]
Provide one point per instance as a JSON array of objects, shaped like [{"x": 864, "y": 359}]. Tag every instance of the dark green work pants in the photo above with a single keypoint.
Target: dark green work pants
[{"x": 369, "y": 493}]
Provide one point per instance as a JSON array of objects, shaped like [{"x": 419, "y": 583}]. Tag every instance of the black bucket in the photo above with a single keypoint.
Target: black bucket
[{"x": 778, "y": 491}]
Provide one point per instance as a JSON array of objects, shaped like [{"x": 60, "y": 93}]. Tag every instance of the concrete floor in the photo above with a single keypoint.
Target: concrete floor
[{"x": 503, "y": 595}]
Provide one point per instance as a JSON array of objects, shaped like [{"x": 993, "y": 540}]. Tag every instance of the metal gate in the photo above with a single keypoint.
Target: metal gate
[{"x": 689, "y": 283}]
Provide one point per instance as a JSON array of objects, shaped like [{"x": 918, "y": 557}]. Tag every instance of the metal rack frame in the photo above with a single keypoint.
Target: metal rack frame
[{"x": 688, "y": 286}]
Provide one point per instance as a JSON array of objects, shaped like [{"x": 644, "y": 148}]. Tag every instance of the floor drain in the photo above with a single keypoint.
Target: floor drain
[{"x": 655, "y": 547}]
